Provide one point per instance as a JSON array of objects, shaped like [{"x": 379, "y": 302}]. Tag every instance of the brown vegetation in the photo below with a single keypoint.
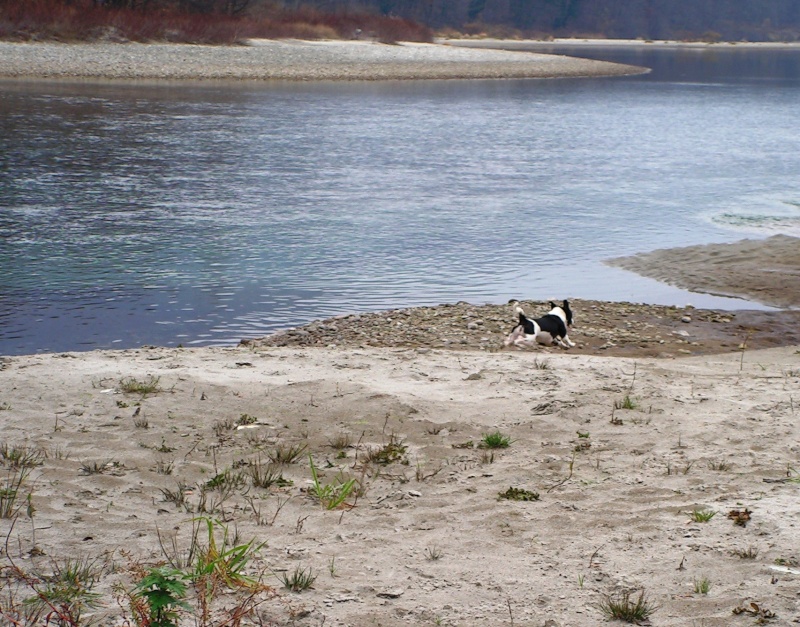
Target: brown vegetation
[{"x": 208, "y": 22}]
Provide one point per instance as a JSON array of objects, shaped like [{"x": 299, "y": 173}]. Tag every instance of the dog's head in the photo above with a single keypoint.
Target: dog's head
[{"x": 564, "y": 307}]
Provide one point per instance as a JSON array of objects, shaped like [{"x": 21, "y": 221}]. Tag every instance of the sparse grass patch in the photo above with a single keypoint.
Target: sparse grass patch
[
  {"x": 433, "y": 553},
  {"x": 18, "y": 456},
  {"x": 95, "y": 468},
  {"x": 625, "y": 403},
  {"x": 519, "y": 494},
  {"x": 267, "y": 475},
  {"x": 623, "y": 607},
  {"x": 495, "y": 440},
  {"x": 164, "y": 467},
  {"x": 299, "y": 580},
  {"x": 750, "y": 553},
  {"x": 340, "y": 441},
  {"x": 246, "y": 419},
  {"x": 331, "y": 495},
  {"x": 721, "y": 466},
  {"x": 702, "y": 585},
  {"x": 541, "y": 365},
  {"x": 177, "y": 496},
  {"x": 10, "y": 490},
  {"x": 702, "y": 515},
  {"x": 392, "y": 451},
  {"x": 131, "y": 385},
  {"x": 286, "y": 453}
]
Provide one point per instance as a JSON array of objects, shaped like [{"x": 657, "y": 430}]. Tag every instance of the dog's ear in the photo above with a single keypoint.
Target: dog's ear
[
  {"x": 553, "y": 305},
  {"x": 566, "y": 304}
]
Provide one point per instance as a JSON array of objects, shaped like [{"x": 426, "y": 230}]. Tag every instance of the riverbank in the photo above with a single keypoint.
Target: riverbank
[
  {"x": 125, "y": 447},
  {"x": 292, "y": 60}
]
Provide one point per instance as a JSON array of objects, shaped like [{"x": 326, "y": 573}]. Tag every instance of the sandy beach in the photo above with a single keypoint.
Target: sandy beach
[{"x": 287, "y": 60}]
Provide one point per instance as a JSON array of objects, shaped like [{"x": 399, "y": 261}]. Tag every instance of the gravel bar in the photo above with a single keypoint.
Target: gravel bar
[{"x": 287, "y": 60}]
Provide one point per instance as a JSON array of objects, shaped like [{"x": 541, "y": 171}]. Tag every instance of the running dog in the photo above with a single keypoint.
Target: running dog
[{"x": 552, "y": 328}]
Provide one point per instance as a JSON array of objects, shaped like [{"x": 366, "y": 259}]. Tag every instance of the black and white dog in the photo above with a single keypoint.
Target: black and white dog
[{"x": 552, "y": 328}]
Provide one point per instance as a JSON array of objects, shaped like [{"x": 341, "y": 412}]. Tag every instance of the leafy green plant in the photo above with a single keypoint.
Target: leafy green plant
[
  {"x": 301, "y": 579},
  {"x": 518, "y": 494},
  {"x": 16, "y": 456},
  {"x": 246, "y": 419},
  {"x": 623, "y": 607},
  {"x": 495, "y": 440},
  {"x": 330, "y": 495},
  {"x": 214, "y": 563},
  {"x": 702, "y": 515},
  {"x": 164, "y": 590}
]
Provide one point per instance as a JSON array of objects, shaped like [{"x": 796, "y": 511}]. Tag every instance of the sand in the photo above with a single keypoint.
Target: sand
[
  {"x": 767, "y": 271},
  {"x": 429, "y": 539},
  {"x": 286, "y": 60}
]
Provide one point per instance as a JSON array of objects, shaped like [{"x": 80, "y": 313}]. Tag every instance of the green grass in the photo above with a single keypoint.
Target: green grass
[
  {"x": 625, "y": 403},
  {"x": 702, "y": 586},
  {"x": 299, "y": 580},
  {"x": 623, "y": 607},
  {"x": 389, "y": 453},
  {"x": 331, "y": 495},
  {"x": 495, "y": 440},
  {"x": 702, "y": 515},
  {"x": 130, "y": 385},
  {"x": 286, "y": 453}
]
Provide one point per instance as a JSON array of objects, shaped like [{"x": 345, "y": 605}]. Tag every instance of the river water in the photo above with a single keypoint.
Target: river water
[{"x": 203, "y": 214}]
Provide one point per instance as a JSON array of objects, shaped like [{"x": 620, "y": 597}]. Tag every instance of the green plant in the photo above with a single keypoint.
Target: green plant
[
  {"x": 246, "y": 419},
  {"x": 67, "y": 592},
  {"x": 625, "y": 403},
  {"x": 301, "y": 579},
  {"x": 330, "y": 495},
  {"x": 719, "y": 466},
  {"x": 9, "y": 490},
  {"x": 389, "y": 453},
  {"x": 214, "y": 563},
  {"x": 131, "y": 385},
  {"x": 17, "y": 456},
  {"x": 519, "y": 494},
  {"x": 623, "y": 607},
  {"x": 177, "y": 496},
  {"x": 702, "y": 586},
  {"x": 95, "y": 468},
  {"x": 702, "y": 515},
  {"x": 495, "y": 440},
  {"x": 164, "y": 589},
  {"x": 433, "y": 553},
  {"x": 266, "y": 475}
]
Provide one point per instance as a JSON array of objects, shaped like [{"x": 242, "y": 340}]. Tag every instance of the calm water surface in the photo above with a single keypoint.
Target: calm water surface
[{"x": 204, "y": 214}]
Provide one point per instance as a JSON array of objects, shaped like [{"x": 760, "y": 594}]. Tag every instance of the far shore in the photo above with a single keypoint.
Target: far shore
[
  {"x": 288, "y": 60},
  {"x": 626, "y": 43}
]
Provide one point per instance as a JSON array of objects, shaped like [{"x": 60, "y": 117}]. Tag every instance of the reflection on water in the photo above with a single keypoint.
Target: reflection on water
[{"x": 199, "y": 214}]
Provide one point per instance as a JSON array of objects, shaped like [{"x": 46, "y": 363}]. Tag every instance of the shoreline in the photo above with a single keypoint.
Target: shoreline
[
  {"x": 492, "y": 43},
  {"x": 287, "y": 60}
]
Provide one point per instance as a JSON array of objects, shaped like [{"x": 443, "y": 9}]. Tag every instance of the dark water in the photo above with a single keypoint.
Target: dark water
[{"x": 203, "y": 214}]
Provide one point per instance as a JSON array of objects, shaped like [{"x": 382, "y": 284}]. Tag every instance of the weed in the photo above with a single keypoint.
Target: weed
[
  {"x": 580, "y": 580},
  {"x": 164, "y": 467},
  {"x": 266, "y": 475},
  {"x": 623, "y": 607},
  {"x": 301, "y": 579},
  {"x": 141, "y": 422},
  {"x": 487, "y": 457},
  {"x": 433, "y": 553},
  {"x": 389, "y": 453},
  {"x": 164, "y": 447},
  {"x": 21, "y": 456},
  {"x": 330, "y": 495},
  {"x": 131, "y": 385},
  {"x": 163, "y": 589},
  {"x": 177, "y": 496},
  {"x": 719, "y": 466},
  {"x": 95, "y": 468},
  {"x": 750, "y": 553},
  {"x": 494, "y": 440},
  {"x": 702, "y": 586},
  {"x": 246, "y": 419},
  {"x": 222, "y": 427},
  {"x": 702, "y": 515},
  {"x": 467, "y": 444},
  {"x": 332, "y": 566},
  {"x": 541, "y": 365},
  {"x": 340, "y": 442},
  {"x": 67, "y": 592},
  {"x": 226, "y": 482},
  {"x": 286, "y": 454},
  {"x": 625, "y": 403},
  {"x": 519, "y": 494}
]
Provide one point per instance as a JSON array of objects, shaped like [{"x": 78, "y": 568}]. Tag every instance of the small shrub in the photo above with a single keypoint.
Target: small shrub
[
  {"x": 131, "y": 385},
  {"x": 246, "y": 419},
  {"x": 750, "y": 553},
  {"x": 495, "y": 440},
  {"x": 286, "y": 454},
  {"x": 702, "y": 515},
  {"x": 163, "y": 589},
  {"x": 625, "y": 403},
  {"x": 433, "y": 553},
  {"x": 301, "y": 579},
  {"x": 702, "y": 586},
  {"x": 623, "y": 607},
  {"x": 387, "y": 454},
  {"x": 331, "y": 495},
  {"x": 266, "y": 476},
  {"x": 518, "y": 494}
]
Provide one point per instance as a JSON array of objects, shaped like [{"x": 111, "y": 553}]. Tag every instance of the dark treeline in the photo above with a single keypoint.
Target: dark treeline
[{"x": 733, "y": 20}]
